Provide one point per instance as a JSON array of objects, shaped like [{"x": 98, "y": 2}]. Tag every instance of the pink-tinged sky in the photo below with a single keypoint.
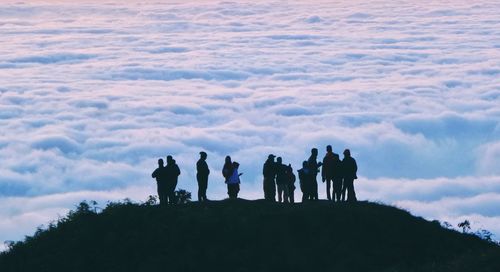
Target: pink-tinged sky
[{"x": 92, "y": 94}]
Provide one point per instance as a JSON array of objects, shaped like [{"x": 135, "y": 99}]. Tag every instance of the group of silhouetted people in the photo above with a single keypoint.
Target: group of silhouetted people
[
  {"x": 166, "y": 180},
  {"x": 339, "y": 173},
  {"x": 339, "y": 176}
]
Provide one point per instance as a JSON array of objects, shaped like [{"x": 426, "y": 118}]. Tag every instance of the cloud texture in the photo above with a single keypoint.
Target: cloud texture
[{"x": 91, "y": 94}]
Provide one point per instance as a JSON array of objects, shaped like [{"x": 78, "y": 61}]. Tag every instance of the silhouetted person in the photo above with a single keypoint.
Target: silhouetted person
[
  {"x": 327, "y": 170},
  {"x": 202, "y": 173},
  {"x": 233, "y": 182},
  {"x": 337, "y": 178},
  {"x": 227, "y": 169},
  {"x": 314, "y": 168},
  {"x": 349, "y": 169},
  {"x": 269, "y": 173},
  {"x": 172, "y": 173},
  {"x": 161, "y": 182},
  {"x": 305, "y": 181},
  {"x": 281, "y": 180},
  {"x": 291, "y": 184}
]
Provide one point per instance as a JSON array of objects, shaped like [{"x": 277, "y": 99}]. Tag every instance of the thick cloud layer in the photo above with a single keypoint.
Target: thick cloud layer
[{"x": 92, "y": 94}]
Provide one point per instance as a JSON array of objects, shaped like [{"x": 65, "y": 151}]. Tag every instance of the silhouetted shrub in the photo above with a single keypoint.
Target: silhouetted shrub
[
  {"x": 182, "y": 196},
  {"x": 151, "y": 201},
  {"x": 484, "y": 234},
  {"x": 465, "y": 226}
]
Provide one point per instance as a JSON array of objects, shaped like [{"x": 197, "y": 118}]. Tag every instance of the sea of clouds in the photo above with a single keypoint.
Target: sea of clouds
[{"x": 92, "y": 94}]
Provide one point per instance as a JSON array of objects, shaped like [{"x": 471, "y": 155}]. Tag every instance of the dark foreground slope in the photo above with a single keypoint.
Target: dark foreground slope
[{"x": 250, "y": 236}]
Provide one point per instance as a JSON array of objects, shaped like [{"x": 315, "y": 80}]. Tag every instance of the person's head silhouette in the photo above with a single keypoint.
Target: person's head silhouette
[
  {"x": 203, "y": 155},
  {"x": 347, "y": 153},
  {"x": 160, "y": 163},
  {"x": 278, "y": 160},
  {"x": 170, "y": 160},
  {"x": 314, "y": 152},
  {"x": 228, "y": 160},
  {"x": 304, "y": 164},
  {"x": 329, "y": 148},
  {"x": 270, "y": 157}
]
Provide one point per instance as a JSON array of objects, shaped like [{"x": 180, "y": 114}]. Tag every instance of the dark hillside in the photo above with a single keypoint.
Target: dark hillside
[{"x": 249, "y": 236}]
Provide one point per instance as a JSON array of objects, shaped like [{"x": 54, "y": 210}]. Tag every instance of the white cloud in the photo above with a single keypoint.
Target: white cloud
[{"x": 89, "y": 105}]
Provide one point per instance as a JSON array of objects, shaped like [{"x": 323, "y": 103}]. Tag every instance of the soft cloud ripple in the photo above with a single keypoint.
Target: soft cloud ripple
[{"x": 92, "y": 94}]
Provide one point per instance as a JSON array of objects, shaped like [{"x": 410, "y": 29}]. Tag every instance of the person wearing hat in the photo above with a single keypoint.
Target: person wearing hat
[
  {"x": 269, "y": 173},
  {"x": 202, "y": 172},
  {"x": 350, "y": 169}
]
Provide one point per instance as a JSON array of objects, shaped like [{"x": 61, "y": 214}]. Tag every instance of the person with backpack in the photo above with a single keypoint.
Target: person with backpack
[{"x": 233, "y": 182}]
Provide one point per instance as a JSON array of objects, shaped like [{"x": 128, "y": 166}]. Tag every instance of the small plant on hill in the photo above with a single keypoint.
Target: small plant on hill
[
  {"x": 151, "y": 201},
  {"x": 465, "y": 226},
  {"x": 182, "y": 196},
  {"x": 485, "y": 235}
]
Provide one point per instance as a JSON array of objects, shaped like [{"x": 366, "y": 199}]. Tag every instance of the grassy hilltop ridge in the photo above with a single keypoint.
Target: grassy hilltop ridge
[{"x": 249, "y": 236}]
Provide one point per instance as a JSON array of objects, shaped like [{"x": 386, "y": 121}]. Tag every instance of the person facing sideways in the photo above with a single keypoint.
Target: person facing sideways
[
  {"x": 350, "y": 169},
  {"x": 227, "y": 169},
  {"x": 233, "y": 183},
  {"x": 327, "y": 170},
  {"x": 304, "y": 181},
  {"x": 314, "y": 168},
  {"x": 281, "y": 180},
  {"x": 269, "y": 183},
  {"x": 161, "y": 182},
  {"x": 202, "y": 172},
  {"x": 172, "y": 173},
  {"x": 291, "y": 184}
]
